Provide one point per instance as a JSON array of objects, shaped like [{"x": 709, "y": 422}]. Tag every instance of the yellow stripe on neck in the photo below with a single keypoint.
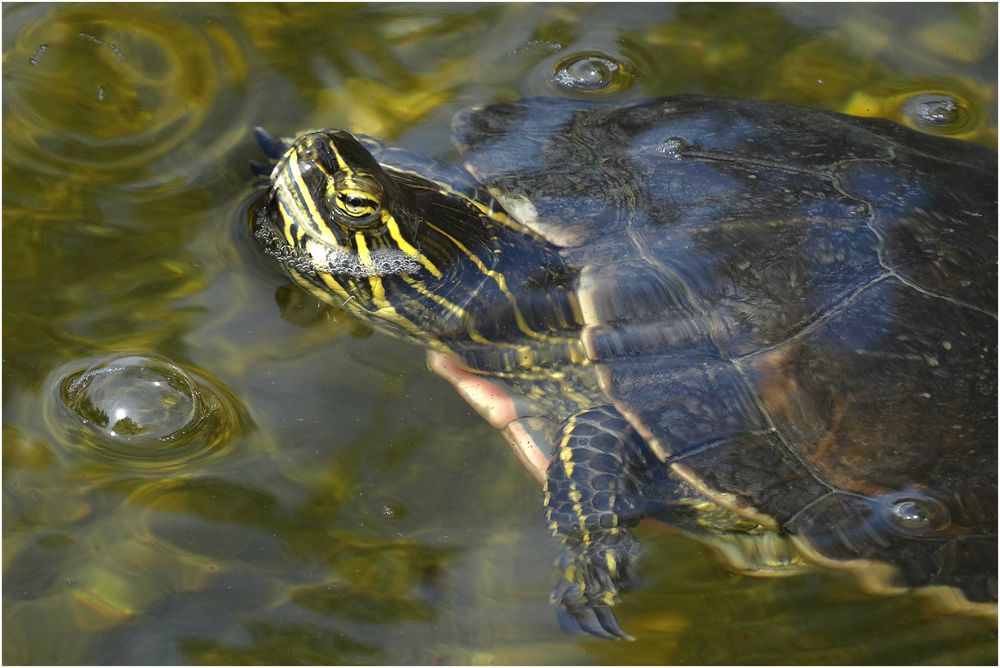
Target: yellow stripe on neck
[
  {"x": 365, "y": 257},
  {"x": 406, "y": 247}
]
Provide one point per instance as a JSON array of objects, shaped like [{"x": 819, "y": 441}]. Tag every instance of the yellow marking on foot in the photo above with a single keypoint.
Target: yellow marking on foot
[
  {"x": 612, "y": 563},
  {"x": 565, "y": 452},
  {"x": 582, "y": 519}
]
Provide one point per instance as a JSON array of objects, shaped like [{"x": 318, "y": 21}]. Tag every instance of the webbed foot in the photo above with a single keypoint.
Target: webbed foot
[
  {"x": 592, "y": 496},
  {"x": 590, "y": 582}
]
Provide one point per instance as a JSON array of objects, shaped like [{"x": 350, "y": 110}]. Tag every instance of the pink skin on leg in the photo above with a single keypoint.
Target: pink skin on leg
[{"x": 493, "y": 402}]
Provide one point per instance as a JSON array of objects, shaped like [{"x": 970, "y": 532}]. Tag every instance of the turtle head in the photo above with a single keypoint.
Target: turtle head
[
  {"x": 403, "y": 241},
  {"x": 333, "y": 203}
]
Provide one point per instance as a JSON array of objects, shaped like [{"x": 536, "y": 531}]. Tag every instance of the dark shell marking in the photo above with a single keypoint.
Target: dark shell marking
[{"x": 796, "y": 308}]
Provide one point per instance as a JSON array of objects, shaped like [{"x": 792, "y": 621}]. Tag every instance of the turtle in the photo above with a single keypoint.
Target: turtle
[{"x": 772, "y": 327}]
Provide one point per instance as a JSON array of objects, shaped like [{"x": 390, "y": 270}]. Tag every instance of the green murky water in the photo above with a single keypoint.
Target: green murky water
[{"x": 334, "y": 502}]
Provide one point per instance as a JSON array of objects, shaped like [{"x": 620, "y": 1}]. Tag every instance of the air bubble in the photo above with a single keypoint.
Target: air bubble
[
  {"x": 144, "y": 410},
  {"x": 915, "y": 514},
  {"x": 37, "y": 58},
  {"x": 134, "y": 397},
  {"x": 675, "y": 147},
  {"x": 860, "y": 210},
  {"x": 591, "y": 72},
  {"x": 937, "y": 112}
]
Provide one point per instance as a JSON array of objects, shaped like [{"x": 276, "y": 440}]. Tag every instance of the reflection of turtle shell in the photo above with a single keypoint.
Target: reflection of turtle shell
[{"x": 753, "y": 320}]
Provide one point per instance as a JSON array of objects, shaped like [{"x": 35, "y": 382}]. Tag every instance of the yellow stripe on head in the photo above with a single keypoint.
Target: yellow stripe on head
[
  {"x": 310, "y": 217},
  {"x": 341, "y": 163}
]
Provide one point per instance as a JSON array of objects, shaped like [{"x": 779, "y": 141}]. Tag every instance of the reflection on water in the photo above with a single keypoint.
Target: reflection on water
[{"x": 344, "y": 507}]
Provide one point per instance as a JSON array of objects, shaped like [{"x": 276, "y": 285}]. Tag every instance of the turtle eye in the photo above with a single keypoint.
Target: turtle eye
[
  {"x": 354, "y": 198},
  {"x": 356, "y": 205}
]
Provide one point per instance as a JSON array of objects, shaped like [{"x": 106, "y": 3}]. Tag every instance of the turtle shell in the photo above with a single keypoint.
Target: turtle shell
[{"x": 795, "y": 308}]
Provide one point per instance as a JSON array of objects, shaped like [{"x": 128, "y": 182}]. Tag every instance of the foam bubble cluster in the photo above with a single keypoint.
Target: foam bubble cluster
[
  {"x": 332, "y": 260},
  {"x": 385, "y": 262}
]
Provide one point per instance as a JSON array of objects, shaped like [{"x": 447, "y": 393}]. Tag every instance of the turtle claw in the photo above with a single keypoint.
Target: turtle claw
[
  {"x": 606, "y": 618},
  {"x": 597, "y": 621},
  {"x": 273, "y": 147},
  {"x": 587, "y": 589}
]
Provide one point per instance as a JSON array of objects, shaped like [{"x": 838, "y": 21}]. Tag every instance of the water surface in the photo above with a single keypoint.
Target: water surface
[{"x": 330, "y": 501}]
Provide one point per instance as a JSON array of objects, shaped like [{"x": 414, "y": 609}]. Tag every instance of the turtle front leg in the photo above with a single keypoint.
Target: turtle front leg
[{"x": 592, "y": 497}]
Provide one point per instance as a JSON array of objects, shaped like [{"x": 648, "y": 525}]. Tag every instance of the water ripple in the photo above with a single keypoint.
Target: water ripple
[{"x": 115, "y": 93}]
